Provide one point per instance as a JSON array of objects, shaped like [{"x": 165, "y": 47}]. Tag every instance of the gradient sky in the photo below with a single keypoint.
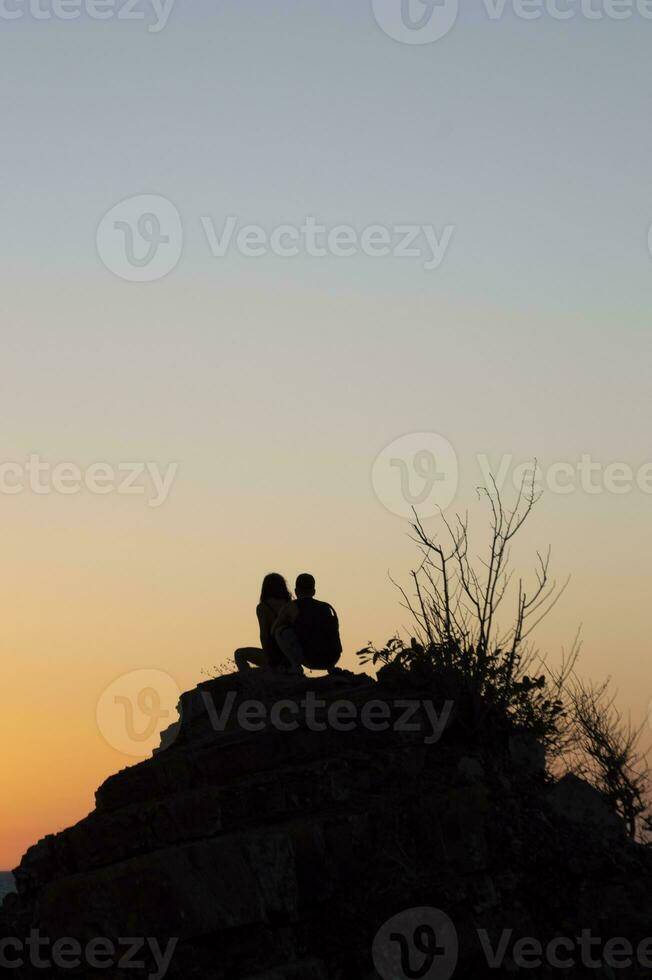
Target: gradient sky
[{"x": 274, "y": 383}]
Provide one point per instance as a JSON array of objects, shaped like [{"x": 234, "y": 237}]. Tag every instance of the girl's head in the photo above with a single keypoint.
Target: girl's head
[{"x": 274, "y": 587}]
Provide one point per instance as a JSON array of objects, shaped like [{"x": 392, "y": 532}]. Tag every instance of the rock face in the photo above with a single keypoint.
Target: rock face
[
  {"x": 576, "y": 800},
  {"x": 284, "y": 821},
  {"x": 6, "y": 884}
]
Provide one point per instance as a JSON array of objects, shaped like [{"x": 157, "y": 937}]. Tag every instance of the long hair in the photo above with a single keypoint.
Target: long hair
[{"x": 275, "y": 587}]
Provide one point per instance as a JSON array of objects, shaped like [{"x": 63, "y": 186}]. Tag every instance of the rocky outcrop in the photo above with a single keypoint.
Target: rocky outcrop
[
  {"x": 576, "y": 800},
  {"x": 284, "y": 821}
]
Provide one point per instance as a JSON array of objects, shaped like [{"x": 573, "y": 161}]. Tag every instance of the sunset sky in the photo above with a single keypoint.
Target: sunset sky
[{"x": 273, "y": 383}]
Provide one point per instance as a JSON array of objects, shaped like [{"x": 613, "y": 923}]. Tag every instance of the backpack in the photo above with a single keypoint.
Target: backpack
[{"x": 318, "y": 632}]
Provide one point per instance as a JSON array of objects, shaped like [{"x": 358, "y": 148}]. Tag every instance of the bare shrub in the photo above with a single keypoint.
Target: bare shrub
[{"x": 456, "y": 608}]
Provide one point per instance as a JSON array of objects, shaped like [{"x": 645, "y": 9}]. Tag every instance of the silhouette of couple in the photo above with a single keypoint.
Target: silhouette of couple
[{"x": 294, "y": 633}]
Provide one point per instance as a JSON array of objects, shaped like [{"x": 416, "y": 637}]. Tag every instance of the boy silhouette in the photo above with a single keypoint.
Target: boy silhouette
[{"x": 307, "y": 630}]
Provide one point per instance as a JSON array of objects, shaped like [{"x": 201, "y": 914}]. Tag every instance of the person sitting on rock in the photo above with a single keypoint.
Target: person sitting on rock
[
  {"x": 274, "y": 596},
  {"x": 307, "y": 630}
]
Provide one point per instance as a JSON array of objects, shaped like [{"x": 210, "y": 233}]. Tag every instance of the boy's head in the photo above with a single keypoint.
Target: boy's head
[{"x": 305, "y": 586}]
